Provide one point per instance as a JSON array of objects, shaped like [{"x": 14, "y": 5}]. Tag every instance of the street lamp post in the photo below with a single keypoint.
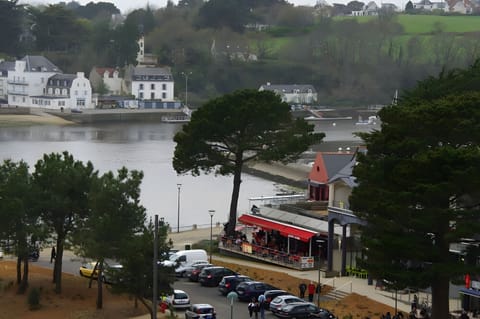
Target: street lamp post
[
  {"x": 320, "y": 243},
  {"x": 186, "y": 74},
  {"x": 179, "y": 186},
  {"x": 155, "y": 270},
  {"x": 211, "y": 212}
]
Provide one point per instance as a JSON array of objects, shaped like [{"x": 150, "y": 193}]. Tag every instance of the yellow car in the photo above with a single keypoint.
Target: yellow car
[{"x": 86, "y": 270}]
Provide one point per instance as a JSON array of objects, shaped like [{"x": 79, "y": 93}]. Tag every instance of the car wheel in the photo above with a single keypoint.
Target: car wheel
[{"x": 183, "y": 274}]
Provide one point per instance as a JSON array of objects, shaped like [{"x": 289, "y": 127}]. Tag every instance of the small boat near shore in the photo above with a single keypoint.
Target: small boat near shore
[
  {"x": 315, "y": 118},
  {"x": 176, "y": 118},
  {"x": 372, "y": 120}
]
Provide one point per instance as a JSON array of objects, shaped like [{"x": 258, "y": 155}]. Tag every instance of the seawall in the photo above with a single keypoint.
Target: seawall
[{"x": 116, "y": 115}]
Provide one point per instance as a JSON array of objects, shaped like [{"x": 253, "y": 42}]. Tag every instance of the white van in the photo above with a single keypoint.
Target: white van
[{"x": 183, "y": 258}]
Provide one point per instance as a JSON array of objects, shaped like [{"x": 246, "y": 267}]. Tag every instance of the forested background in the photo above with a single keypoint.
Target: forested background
[{"x": 222, "y": 45}]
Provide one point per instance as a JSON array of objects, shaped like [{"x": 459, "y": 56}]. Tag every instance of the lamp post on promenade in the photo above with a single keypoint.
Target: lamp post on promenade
[
  {"x": 155, "y": 270},
  {"x": 186, "y": 74},
  {"x": 320, "y": 245},
  {"x": 179, "y": 186},
  {"x": 211, "y": 212}
]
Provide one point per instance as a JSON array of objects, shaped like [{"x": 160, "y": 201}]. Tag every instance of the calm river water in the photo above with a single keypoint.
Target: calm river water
[{"x": 147, "y": 147}]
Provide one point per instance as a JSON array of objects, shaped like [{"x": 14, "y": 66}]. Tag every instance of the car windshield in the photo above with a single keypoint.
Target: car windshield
[
  {"x": 205, "y": 310},
  {"x": 174, "y": 257},
  {"x": 180, "y": 295}
]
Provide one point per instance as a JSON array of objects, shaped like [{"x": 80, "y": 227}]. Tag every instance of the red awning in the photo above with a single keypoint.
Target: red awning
[{"x": 284, "y": 229}]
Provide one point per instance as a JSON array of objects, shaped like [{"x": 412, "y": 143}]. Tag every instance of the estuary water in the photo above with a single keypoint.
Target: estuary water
[{"x": 148, "y": 147}]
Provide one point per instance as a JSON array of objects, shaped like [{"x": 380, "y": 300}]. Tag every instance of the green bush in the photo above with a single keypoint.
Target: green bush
[{"x": 34, "y": 298}]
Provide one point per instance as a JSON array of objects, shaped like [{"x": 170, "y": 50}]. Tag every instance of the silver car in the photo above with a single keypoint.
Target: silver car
[
  {"x": 178, "y": 300},
  {"x": 280, "y": 301}
]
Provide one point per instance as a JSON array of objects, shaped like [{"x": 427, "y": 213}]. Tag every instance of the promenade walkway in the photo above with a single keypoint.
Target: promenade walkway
[{"x": 346, "y": 284}]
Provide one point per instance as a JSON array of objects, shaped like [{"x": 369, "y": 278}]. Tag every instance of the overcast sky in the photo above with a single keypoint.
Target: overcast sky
[{"x": 128, "y": 5}]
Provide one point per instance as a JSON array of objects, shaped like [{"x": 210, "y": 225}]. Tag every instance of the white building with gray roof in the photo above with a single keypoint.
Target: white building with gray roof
[
  {"x": 152, "y": 83},
  {"x": 29, "y": 78},
  {"x": 5, "y": 66},
  {"x": 36, "y": 82},
  {"x": 66, "y": 91}
]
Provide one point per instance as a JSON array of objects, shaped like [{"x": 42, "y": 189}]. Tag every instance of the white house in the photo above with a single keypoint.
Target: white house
[
  {"x": 293, "y": 93},
  {"x": 152, "y": 83},
  {"x": 5, "y": 66},
  {"x": 110, "y": 77},
  {"x": 29, "y": 78},
  {"x": 66, "y": 91}
]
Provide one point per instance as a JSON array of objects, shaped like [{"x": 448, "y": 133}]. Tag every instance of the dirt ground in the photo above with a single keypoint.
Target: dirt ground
[{"x": 77, "y": 301}]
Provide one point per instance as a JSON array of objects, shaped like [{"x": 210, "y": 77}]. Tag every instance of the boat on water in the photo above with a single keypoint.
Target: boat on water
[
  {"x": 315, "y": 118},
  {"x": 176, "y": 119},
  {"x": 372, "y": 120}
]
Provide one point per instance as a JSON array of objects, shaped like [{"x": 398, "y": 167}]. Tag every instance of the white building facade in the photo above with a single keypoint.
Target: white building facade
[
  {"x": 66, "y": 91},
  {"x": 29, "y": 78},
  {"x": 152, "y": 84}
]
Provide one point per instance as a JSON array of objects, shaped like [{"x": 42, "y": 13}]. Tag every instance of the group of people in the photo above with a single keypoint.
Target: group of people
[
  {"x": 311, "y": 289},
  {"x": 257, "y": 306}
]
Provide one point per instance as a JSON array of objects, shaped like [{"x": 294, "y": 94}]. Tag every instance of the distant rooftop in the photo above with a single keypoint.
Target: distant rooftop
[{"x": 38, "y": 63}]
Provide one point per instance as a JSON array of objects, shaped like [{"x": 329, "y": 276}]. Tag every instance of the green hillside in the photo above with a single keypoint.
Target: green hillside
[{"x": 422, "y": 24}]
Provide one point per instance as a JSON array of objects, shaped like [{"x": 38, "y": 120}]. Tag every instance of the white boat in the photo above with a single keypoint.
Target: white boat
[
  {"x": 372, "y": 120},
  {"x": 315, "y": 118},
  {"x": 176, "y": 119}
]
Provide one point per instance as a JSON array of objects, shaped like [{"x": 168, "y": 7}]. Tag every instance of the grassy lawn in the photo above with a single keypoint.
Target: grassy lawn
[
  {"x": 418, "y": 24},
  {"x": 424, "y": 24}
]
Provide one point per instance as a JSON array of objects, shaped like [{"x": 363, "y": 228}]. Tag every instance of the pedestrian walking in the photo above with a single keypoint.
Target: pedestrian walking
[
  {"x": 251, "y": 307},
  {"x": 311, "y": 291},
  {"x": 53, "y": 254},
  {"x": 261, "y": 306},
  {"x": 302, "y": 288}
]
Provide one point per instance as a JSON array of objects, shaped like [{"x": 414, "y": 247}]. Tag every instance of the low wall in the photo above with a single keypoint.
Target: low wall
[
  {"x": 12, "y": 110},
  {"x": 104, "y": 116}
]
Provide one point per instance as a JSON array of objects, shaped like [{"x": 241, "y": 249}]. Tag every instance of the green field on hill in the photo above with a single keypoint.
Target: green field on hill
[{"x": 423, "y": 24}]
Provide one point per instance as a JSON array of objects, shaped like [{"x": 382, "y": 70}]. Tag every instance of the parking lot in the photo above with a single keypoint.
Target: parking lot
[{"x": 211, "y": 295}]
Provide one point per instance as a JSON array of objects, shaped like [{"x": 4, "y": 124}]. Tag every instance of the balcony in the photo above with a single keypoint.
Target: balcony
[{"x": 17, "y": 82}]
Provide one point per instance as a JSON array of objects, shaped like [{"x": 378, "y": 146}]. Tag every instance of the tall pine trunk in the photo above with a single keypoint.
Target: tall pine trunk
[
  {"x": 440, "y": 298},
  {"x": 19, "y": 270},
  {"x": 57, "y": 269},
  {"x": 237, "y": 180}
]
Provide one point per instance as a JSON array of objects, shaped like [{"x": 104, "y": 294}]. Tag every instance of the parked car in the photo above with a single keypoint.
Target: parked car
[
  {"x": 200, "y": 311},
  {"x": 111, "y": 273},
  {"x": 248, "y": 289},
  {"x": 178, "y": 300},
  {"x": 193, "y": 275},
  {"x": 272, "y": 294},
  {"x": 211, "y": 276},
  {"x": 229, "y": 283},
  {"x": 303, "y": 310},
  {"x": 184, "y": 270},
  {"x": 281, "y": 301},
  {"x": 86, "y": 269},
  {"x": 34, "y": 254}
]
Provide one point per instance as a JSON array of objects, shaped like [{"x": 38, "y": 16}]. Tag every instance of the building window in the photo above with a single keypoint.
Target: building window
[
  {"x": 76, "y": 92},
  {"x": 152, "y": 86},
  {"x": 164, "y": 86},
  {"x": 141, "y": 86},
  {"x": 152, "y": 96},
  {"x": 140, "y": 95},
  {"x": 164, "y": 95},
  {"x": 80, "y": 102}
]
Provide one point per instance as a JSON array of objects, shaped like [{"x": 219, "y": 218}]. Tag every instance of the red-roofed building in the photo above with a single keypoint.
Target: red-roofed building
[
  {"x": 110, "y": 77},
  {"x": 326, "y": 165}
]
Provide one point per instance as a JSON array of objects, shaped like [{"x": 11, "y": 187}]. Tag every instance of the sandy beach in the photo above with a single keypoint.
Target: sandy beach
[{"x": 31, "y": 119}]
